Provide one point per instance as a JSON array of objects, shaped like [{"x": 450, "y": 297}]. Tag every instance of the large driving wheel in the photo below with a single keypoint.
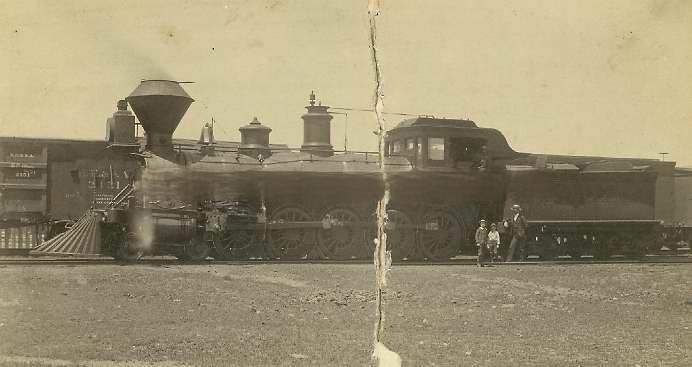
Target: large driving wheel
[
  {"x": 233, "y": 244},
  {"x": 340, "y": 234},
  {"x": 401, "y": 235},
  {"x": 292, "y": 242},
  {"x": 441, "y": 232}
]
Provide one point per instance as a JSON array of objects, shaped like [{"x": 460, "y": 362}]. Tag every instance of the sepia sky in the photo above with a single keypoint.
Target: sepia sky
[{"x": 567, "y": 77}]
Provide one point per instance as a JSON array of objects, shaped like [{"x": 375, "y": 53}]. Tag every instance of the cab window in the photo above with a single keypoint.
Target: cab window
[
  {"x": 469, "y": 150},
  {"x": 436, "y": 149},
  {"x": 411, "y": 145},
  {"x": 396, "y": 147}
]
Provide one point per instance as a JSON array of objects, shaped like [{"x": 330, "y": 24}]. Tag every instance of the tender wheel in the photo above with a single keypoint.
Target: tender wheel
[
  {"x": 340, "y": 234},
  {"x": 546, "y": 246},
  {"x": 650, "y": 243},
  {"x": 575, "y": 253},
  {"x": 575, "y": 247},
  {"x": 635, "y": 248},
  {"x": 616, "y": 245},
  {"x": 672, "y": 245},
  {"x": 600, "y": 248},
  {"x": 197, "y": 249},
  {"x": 290, "y": 242},
  {"x": 654, "y": 245},
  {"x": 441, "y": 232}
]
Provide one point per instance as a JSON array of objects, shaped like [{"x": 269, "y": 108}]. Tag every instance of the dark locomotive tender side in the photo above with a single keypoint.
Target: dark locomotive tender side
[
  {"x": 597, "y": 211},
  {"x": 315, "y": 202}
]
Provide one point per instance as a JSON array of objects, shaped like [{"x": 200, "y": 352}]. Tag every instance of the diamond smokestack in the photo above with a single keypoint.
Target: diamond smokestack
[{"x": 159, "y": 106}]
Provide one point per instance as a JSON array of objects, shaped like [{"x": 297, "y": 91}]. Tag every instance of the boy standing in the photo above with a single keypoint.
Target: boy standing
[
  {"x": 493, "y": 241},
  {"x": 482, "y": 242}
]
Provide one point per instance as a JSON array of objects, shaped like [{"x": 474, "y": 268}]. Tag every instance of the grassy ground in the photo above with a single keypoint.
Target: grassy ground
[{"x": 295, "y": 315}]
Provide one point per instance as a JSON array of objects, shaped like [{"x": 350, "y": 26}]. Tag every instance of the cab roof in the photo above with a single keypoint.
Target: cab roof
[{"x": 435, "y": 122}]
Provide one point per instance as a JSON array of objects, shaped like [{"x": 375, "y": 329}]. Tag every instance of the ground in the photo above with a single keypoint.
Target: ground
[{"x": 295, "y": 315}]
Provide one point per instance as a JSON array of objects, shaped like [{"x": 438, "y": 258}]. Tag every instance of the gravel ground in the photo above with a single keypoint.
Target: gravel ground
[{"x": 295, "y": 315}]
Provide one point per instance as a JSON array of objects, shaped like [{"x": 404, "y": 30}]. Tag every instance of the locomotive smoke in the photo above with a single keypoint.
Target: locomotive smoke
[
  {"x": 381, "y": 354},
  {"x": 146, "y": 233},
  {"x": 144, "y": 226}
]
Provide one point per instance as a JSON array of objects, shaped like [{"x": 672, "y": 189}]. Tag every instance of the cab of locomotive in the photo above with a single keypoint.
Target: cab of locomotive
[{"x": 448, "y": 143}]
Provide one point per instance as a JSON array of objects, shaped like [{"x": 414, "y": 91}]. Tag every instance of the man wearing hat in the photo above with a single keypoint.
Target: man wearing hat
[
  {"x": 517, "y": 231},
  {"x": 482, "y": 242}
]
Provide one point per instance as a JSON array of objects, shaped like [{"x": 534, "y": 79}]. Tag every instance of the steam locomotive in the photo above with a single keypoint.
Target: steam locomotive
[{"x": 259, "y": 200}]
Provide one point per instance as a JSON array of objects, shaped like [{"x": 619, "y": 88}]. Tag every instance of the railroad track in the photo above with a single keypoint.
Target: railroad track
[{"x": 652, "y": 259}]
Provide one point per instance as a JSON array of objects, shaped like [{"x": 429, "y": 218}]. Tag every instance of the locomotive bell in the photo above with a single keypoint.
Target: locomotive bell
[
  {"x": 206, "y": 137},
  {"x": 159, "y": 105},
  {"x": 317, "y": 129},
  {"x": 254, "y": 139}
]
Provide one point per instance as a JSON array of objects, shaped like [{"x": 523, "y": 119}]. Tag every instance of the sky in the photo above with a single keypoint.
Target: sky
[{"x": 584, "y": 77}]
